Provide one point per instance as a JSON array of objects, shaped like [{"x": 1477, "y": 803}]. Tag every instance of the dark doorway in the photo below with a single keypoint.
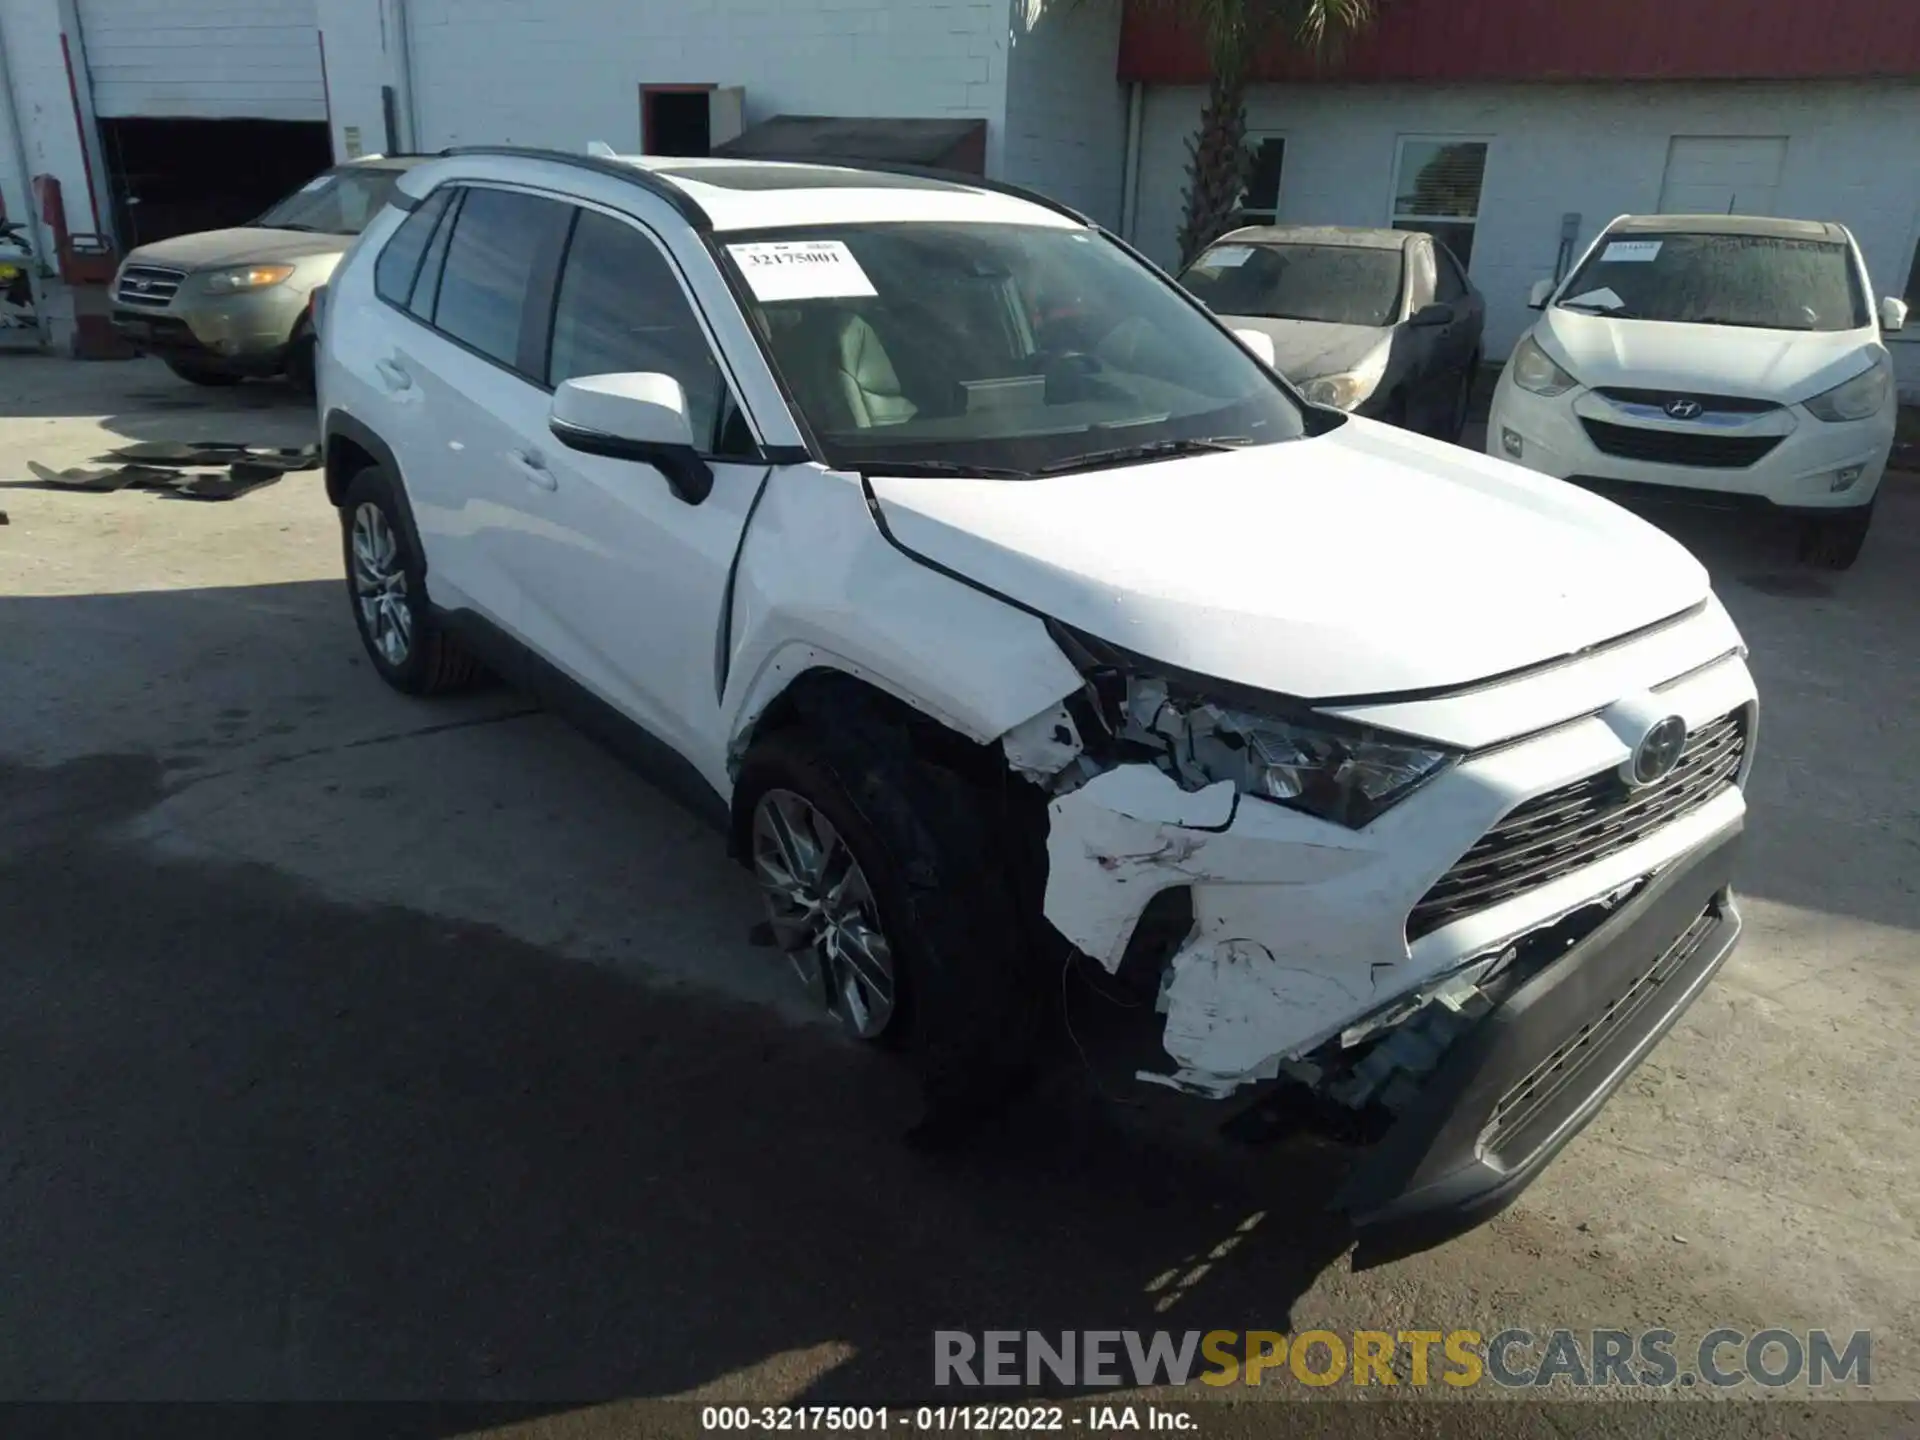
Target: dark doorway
[
  {"x": 173, "y": 177},
  {"x": 676, "y": 119}
]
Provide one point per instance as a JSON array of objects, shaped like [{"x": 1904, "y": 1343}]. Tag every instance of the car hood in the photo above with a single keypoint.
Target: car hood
[
  {"x": 1307, "y": 349},
  {"x": 243, "y": 245},
  {"x": 1783, "y": 365},
  {"x": 1364, "y": 562}
]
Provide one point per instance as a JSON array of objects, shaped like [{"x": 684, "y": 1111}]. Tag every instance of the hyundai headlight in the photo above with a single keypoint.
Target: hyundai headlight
[
  {"x": 1538, "y": 372},
  {"x": 247, "y": 277},
  {"x": 1860, "y": 398},
  {"x": 1342, "y": 392},
  {"x": 1348, "y": 389}
]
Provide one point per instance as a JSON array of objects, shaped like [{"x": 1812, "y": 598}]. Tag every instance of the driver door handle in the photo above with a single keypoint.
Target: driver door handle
[{"x": 533, "y": 469}]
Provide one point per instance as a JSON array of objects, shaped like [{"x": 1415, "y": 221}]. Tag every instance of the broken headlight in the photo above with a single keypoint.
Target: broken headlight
[{"x": 1349, "y": 774}]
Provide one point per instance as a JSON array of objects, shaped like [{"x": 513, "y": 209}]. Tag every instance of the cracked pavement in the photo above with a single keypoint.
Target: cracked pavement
[{"x": 358, "y": 1047}]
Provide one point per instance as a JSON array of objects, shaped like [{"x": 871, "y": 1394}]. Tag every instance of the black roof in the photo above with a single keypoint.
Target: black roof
[
  {"x": 763, "y": 175},
  {"x": 835, "y": 139}
]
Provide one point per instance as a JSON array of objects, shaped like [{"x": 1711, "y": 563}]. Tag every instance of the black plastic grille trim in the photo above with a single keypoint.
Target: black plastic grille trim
[
  {"x": 1723, "y": 404},
  {"x": 1566, "y": 829},
  {"x": 1550, "y": 1078},
  {"x": 1678, "y": 447}
]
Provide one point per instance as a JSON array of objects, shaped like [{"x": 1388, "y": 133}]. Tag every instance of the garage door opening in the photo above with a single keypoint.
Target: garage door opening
[{"x": 173, "y": 177}]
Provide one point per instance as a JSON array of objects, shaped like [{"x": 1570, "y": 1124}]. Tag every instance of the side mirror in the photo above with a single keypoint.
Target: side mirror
[
  {"x": 1260, "y": 343},
  {"x": 1428, "y": 316},
  {"x": 1538, "y": 296},
  {"x": 1893, "y": 315},
  {"x": 642, "y": 418}
]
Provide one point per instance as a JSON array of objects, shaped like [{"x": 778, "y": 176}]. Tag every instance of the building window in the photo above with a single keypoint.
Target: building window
[
  {"x": 1260, "y": 201},
  {"x": 1436, "y": 188},
  {"x": 1912, "y": 293}
]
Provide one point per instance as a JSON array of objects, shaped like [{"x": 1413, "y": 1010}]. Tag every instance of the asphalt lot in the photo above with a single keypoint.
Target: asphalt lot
[{"x": 355, "y": 1047}]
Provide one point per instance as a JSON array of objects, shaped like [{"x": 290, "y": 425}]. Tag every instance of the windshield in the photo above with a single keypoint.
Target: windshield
[
  {"x": 339, "y": 202},
  {"x": 1008, "y": 348},
  {"x": 1759, "y": 281},
  {"x": 1338, "y": 284}
]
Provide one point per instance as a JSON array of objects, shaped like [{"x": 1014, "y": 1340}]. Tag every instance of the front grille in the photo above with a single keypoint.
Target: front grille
[
  {"x": 1678, "y": 447},
  {"x": 1719, "y": 404},
  {"x": 1548, "y": 1080},
  {"x": 150, "y": 286},
  {"x": 1572, "y": 827}
]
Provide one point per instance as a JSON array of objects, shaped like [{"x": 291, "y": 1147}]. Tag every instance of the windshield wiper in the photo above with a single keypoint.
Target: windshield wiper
[
  {"x": 1740, "y": 324},
  {"x": 1149, "y": 450},
  {"x": 909, "y": 469},
  {"x": 1612, "y": 312},
  {"x": 303, "y": 229}
]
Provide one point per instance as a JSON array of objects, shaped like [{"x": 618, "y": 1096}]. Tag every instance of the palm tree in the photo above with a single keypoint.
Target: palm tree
[{"x": 1236, "y": 33}]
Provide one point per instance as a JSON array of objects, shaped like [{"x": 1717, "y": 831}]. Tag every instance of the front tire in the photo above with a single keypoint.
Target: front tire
[
  {"x": 908, "y": 842},
  {"x": 387, "y": 585},
  {"x": 1833, "y": 542}
]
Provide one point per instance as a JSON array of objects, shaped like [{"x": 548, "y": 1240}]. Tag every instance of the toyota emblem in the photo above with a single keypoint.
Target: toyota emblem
[
  {"x": 1658, "y": 752},
  {"x": 1684, "y": 409}
]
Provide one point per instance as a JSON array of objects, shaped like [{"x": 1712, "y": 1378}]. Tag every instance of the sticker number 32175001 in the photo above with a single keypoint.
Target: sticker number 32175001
[{"x": 801, "y": 270}]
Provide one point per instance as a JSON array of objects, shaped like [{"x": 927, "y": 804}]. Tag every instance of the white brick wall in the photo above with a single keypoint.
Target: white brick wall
[
  {"x": 256, "y": 59},
  {"x": 564, "y": 72},
  {"x": 1066, "y": 110},
  {"x": 1852, "y": 156}
]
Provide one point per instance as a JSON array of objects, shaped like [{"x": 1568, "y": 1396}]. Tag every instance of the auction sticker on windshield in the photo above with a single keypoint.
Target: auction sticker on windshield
[
  {"x": 1227, "y": 257},
  {"x": 802, "y": 270},
  {"x": 1632, "y": 250}
]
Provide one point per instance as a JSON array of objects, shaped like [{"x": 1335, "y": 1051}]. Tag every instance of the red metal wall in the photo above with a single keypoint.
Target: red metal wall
[{"x": 1457, "y": 40}]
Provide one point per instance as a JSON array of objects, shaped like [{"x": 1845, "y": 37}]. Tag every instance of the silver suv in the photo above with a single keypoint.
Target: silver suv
[{"x": 222, "y": 305}]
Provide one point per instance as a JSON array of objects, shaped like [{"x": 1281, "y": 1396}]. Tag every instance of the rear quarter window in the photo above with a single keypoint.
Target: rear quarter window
[{"x": 399, "y": 261}]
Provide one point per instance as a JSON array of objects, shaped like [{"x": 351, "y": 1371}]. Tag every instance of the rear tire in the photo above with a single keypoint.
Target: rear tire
[
  {"x": 387, "y": 588},
  {"x": 1833, "y": 542},
  {"x": 967, "y": 1006},
  {"x": 202, "y": 375}
]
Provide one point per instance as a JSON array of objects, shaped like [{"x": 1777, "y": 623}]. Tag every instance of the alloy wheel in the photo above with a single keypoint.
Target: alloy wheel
[
  {"x": 823, "y": 912},
  {"x": 380, "y": 585}
]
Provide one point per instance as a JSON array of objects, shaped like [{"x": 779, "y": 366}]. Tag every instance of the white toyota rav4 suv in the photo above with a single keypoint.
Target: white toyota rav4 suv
[
  {"x": 1009, "y": 614},
  {"x": 1713, "y": 358}
]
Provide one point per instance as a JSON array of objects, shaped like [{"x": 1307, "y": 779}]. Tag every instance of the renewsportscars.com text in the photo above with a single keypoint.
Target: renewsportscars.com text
[{"x": 1511, "y": 1359}]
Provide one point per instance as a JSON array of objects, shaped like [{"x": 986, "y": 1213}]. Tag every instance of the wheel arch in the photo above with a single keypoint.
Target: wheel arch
[
  {"x": 827, "y": 692},
  {"x": 348, "y": 446}
]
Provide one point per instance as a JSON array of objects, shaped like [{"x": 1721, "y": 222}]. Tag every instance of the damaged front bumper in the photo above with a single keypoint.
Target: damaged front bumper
[
  {"x": 1515, "y": 1088},
  {"x": 1467, "y": 976}
]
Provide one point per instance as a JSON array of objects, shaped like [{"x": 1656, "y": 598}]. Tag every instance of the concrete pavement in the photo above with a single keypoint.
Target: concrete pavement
[{"x": 356, "y": 1047}]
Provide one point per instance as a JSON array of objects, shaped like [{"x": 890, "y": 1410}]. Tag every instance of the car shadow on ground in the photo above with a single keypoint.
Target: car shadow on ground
[{"x": 260, "y": 1142}]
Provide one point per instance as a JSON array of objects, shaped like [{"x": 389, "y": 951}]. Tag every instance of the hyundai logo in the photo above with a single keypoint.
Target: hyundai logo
[
  {"x": 1684, "y": 409},
  {"x": 1658, "y": 752},
  {"x": 143, "y": 284}
]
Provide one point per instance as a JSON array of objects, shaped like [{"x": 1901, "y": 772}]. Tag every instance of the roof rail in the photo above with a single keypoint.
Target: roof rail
[{"x": 688, "y": 208}]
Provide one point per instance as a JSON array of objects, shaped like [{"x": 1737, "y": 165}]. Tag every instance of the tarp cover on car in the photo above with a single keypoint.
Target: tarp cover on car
[{"x": 938, "y": 144}]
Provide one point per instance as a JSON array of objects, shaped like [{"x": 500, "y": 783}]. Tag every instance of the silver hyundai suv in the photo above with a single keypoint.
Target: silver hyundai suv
[{"x": 222, "y": 305}]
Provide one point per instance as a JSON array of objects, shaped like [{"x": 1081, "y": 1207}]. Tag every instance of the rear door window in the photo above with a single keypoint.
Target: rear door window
[{"x": 502, "y": 240}]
